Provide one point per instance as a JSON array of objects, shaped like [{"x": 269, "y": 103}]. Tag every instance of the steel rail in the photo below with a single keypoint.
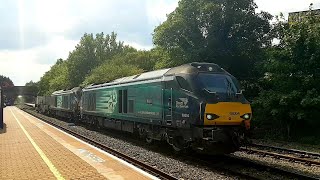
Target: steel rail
[
  {"x": 304, "y": 153},
  {"x": 217, "y": 166},
  {"x": 226, "y": 160},
  {"x": 278, "y": 156},
  {"x": 265, "y": 167}
]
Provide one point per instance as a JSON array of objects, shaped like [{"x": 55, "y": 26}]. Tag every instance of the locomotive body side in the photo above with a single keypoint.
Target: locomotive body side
[
  {"x": 65, "y": 103},
  {"x": 174, "y": 105},
  {"x": 197, "y": 105},
  {"x": 129, "y": 107},
  {"x": 42, "y": 104}
]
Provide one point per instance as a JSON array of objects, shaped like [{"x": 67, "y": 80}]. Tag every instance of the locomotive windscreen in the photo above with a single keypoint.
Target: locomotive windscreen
[{"x": 218, "y": 83}]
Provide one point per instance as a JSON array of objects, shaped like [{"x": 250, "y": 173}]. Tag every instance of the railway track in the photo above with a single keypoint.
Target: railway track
[
  {"x": 223, "y": 165},
  {"x": 243, "y": 168},
  {"x": 292, "y": 155},
  {"x": 301, "y": 153}
]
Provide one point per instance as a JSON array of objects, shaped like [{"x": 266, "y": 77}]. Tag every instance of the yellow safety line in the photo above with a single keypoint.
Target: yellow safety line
[{"x": 53, "y": 169}]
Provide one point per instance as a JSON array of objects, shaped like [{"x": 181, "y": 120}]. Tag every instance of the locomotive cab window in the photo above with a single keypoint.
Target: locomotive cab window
[
  {"x": 218, "y": 83},
  {"x": 183, "y": 83}
]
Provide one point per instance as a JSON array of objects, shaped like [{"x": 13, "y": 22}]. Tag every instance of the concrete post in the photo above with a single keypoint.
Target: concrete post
[{"x": 1, "y": 109}]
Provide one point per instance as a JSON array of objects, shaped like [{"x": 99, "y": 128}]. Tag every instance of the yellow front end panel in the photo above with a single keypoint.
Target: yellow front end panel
[{"x": 229, "y": 113}]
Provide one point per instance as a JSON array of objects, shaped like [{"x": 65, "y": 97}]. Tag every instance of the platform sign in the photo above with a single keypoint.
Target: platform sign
[{"x": 1, "y": 109}]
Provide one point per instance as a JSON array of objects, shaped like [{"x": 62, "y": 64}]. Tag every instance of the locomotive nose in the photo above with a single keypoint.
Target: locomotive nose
[{"x": 228, "y": 113}]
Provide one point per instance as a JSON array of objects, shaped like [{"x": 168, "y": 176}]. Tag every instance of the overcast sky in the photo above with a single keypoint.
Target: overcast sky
[{"x": 35, "y": 33}]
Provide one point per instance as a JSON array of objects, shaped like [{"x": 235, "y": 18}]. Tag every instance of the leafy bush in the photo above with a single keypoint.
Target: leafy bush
[{"x": 290, "y": 100}]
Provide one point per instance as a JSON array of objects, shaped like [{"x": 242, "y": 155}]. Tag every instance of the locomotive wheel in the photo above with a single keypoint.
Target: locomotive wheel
[
  {"x": 144, "y": 135},
  {"x": 176, "y": 148},
  {"x": 149, "y": 140},
  {"x": 141, "y": 133},
  {"x": 178, "y": 144},
  {"x": 92, "y": 123},
  {"x": 98, "y": 124},
  {"x": 95, "y": 124}
]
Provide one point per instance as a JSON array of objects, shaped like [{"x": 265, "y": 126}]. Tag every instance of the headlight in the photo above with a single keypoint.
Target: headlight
[
  {"x": 212, "y": 116},
  {"x": 246, "y": 116}
]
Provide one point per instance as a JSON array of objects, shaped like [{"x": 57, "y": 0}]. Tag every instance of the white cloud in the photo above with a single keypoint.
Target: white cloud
[
  {"x": 58, "y": 47},
  {"x": 275, "y": 7},
  {"x": 157, "y": 10},
  {"x": 18, "y": 66},
  {"x": 138, "y": 46},
  {"x": 21, "y": 66},
  {"x": 35, "y": 33},
  {"x": 53, "y": 16}
]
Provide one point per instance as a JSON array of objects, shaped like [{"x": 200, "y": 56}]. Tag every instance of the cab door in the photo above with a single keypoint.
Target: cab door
[{"x": 168, "y": 106}]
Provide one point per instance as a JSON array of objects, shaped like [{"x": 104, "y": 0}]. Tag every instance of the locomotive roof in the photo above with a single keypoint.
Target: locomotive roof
[
  {"x": 191, "y": 68},
  {"x": 146, "y": 75},
  {"x": 69, "y": 91}
]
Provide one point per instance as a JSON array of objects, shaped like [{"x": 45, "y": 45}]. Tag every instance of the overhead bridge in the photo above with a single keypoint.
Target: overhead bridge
[{"x": 23, "y": 93}]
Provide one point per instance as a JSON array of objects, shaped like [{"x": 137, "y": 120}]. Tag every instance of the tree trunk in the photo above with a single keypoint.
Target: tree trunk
[{"x": 288, "y": 131}]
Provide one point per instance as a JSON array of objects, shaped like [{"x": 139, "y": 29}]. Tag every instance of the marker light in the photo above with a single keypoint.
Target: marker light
[{"x": 209, "y": 116}]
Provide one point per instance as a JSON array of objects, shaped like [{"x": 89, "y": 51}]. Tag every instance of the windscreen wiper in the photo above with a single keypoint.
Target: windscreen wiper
[
  {"x": 228, "y": 88},
  {"x": 211, "y": 92}
]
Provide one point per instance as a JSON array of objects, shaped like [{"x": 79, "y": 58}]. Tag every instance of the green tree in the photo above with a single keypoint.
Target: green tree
[
  {"x": 226, "y": 32},
  {"x": 5, "y": 81},
  {"x": 146, "y": 60},
  {"x": 32, "y": 86},
  {"x": 163, "y": 58},
  {"x": 60, "y": 77},
  {"x": 82, "y": 59},
  {"x": 90, "y": 53},
  {"x": 110, "y": 71},
  {"x": 54, "y": 79},
  {"x": 290, "y": 100},
  {"x": 142, "y": 59},
  {"x": 125, "y": 64}
]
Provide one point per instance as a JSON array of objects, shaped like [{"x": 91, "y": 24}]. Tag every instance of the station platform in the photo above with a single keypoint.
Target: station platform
[{"x": 32, "y": 149}]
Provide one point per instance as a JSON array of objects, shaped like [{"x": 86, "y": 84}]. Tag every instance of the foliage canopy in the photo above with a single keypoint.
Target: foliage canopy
[
  {"x": 291, "y": 90},
  {"x": 225, "y": 32},
  {"x": 5, "y": 81}
]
